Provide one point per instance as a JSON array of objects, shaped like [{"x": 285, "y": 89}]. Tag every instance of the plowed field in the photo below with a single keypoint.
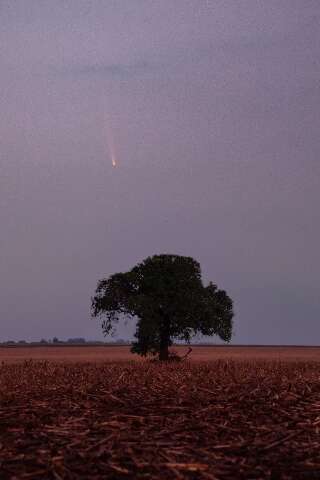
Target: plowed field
[
  {"x": 121, "y": 353},
  {"x": 224, "y": 419}
]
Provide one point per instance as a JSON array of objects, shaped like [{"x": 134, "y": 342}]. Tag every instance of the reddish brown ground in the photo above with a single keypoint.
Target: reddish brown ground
[
  {"x": 224, "y": 419},
  {"x": 115, "y": 353}
]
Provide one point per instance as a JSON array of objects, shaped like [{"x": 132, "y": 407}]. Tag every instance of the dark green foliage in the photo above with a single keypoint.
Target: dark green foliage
[{"x": 165, "y": 293}]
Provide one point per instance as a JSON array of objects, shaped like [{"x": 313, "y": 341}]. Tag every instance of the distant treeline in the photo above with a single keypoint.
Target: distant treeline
[{"x": 70, "y": 341}]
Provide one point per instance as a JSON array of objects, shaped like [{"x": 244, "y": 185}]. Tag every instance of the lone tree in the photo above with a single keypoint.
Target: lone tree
[{"x": 166, "y": 295}]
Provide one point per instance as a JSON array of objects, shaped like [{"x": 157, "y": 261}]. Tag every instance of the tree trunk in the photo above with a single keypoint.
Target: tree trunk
[
  {"x": 164, "y": 341},
  {"x": 164, "y": 351}
]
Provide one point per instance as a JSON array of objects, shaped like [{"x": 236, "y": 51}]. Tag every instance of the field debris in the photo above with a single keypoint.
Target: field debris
[{"x": 219, "y": 420}]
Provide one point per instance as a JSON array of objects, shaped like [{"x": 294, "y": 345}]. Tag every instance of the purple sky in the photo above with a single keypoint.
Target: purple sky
[{"x": 214, "y": 110}]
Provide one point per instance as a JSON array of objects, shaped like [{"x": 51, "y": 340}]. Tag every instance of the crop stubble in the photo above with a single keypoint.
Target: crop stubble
[{"x": 225, "y": 419}]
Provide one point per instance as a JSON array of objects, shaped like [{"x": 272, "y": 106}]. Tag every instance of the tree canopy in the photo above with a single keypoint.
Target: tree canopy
[{"x": 166, "y": 295}]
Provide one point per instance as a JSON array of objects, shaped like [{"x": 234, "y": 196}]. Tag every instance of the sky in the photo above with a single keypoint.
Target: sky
[{"x": 211, "y": 110}]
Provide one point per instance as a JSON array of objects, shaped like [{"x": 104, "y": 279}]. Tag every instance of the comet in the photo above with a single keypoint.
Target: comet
[
  {"x": 110, "y": 144},
  {"x": 112, "y": 153}
]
